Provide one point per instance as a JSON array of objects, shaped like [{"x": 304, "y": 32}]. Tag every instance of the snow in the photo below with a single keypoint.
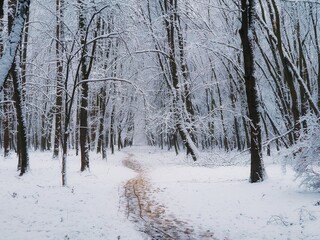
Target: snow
[
  {"x": 35, "y": 206},
  {"x": 218, "y": 199},
  {"x": 223, "y": 201}
]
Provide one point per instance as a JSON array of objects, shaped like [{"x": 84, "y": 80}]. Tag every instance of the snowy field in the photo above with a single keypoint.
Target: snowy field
[{"x": 218, "y": 198}]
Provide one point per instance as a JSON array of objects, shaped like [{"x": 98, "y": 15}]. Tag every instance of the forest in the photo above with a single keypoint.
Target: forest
[
  {"x": 93, "y": 75},
  {"x": 147, "y": 110},
  {"x": 189, "y": 77}
]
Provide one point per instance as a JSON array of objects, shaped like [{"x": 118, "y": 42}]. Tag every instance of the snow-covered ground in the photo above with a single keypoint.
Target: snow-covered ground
[
  {"x": 36, "y": 207},
  {"x": 218, "y": 199},
  {"x": 222, "y": 200}
]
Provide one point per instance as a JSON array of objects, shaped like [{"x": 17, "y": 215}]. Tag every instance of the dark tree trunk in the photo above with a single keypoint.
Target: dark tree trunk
[
  {"x": 267, "y": 135},
  {"x": 120, "y": 144},
  {"x": 86, "y": 62},
  {"x": 65, "y": 152},
  {"x": 102, "y": 102},
  {"x": 112, "y": 130},
  {"x": 84, "y": 150},
  {"x": 247, "y": 32},
  {"x": 43, "y": 141},
  {"x": 1, "y": 9},
  {"x": 23, "y": 164},
  {"x": 77, "y": 129},
  {"x": 59, "y": 78}
]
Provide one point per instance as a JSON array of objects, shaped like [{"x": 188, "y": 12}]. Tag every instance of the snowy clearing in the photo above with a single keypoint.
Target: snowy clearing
[{"x": 216, "y": 200}]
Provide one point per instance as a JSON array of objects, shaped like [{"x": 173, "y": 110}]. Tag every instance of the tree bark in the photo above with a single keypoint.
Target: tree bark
[
  {"x": 84, "y": 148},
  {"x": 13, "y": 24},
  {"x": 102, "y": 102},
  {"x": 112, "y": 130},
  {"x": 257, "y": 172},
  {"x": 59, "y": 78},
  {"x": 23, "y": 163},
  {"x": 14, "y": 40}
]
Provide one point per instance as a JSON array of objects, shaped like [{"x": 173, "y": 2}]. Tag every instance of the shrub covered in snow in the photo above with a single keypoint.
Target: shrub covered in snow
[{"x": 307, "y": 155}]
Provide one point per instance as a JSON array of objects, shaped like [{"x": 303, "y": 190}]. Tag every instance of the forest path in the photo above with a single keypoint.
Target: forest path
[{"x": 149, "y": 214}]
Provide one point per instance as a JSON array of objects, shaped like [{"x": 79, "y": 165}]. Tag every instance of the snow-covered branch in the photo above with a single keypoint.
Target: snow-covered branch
[{"x": 13, "y": 40}]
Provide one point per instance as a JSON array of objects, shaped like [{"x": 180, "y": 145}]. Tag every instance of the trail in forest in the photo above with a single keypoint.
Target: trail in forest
[{"x": 150, "y": 216}]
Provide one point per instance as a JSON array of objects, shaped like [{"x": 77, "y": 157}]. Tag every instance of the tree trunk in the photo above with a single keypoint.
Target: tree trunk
[
  {"x": 112, "y": 130},
  {"x": 85, "y": 64},
  {"x": 64, "y": 153},
  {"x": 84, "y": 149},
  {"x": 246, "y": 33},
  {"x": 119, "y": 140},
  {"x": 23, "y": 163},
  {"x": 77, "y": 128},
  {"x": 59, "y": 78},
  {"x": 101, "y": 146},
  {"x": 14, "y": 40}
]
